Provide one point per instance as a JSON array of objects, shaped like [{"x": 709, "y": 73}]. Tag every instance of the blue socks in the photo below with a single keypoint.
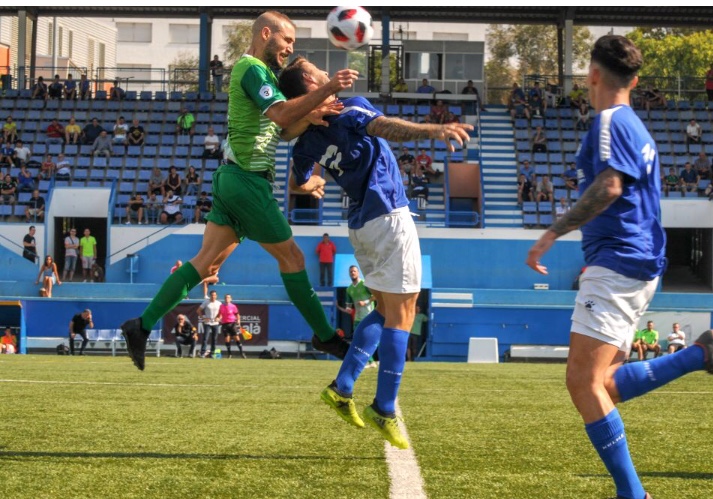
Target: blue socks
[
  {"x": 392, "y": 358},
  {"x": 638, "y": 378},
  {"x": 366, "y": 339},
  {"x": 609, "y": 439}
]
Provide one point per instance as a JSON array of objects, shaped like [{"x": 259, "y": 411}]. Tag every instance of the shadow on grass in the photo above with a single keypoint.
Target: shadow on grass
[
  {"x": 655, "y": 474},
  {"x": 5, "y": 454}
]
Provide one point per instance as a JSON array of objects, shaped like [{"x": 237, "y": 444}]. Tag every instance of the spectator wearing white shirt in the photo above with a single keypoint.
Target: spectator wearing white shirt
[
  {"x": 677, "y": 339},
  {"x": 693, "y": 133},
  {"x": 121, "y": 130},
  {"x": 211, "y": 143},
  {"x": 562, "y": 208},
  {"x": 209, "y": 311},
  {"x": 64, "y": 168},
  {"x": 171, "y": 208},
  {"x": 22, "y": 154}
]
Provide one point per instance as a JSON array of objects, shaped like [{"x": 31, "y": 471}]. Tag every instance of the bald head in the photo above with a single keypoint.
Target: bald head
[{"x": 271, "y": 19}]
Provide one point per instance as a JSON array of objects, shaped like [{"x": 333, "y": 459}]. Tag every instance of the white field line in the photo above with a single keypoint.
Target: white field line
[{"x": 404, "y": 472}]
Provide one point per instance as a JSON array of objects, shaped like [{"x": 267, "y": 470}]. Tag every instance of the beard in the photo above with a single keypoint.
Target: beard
[{"x": 271, "y": 52}]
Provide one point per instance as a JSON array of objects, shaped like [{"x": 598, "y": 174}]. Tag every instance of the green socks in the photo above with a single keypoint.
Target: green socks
[
  {"x": 305, "y": 299},
  {"x": 174, "y": 289}
]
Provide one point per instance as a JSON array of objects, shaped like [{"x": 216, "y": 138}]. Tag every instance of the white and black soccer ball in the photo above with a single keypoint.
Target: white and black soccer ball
[{"x": 349, "y": 27}]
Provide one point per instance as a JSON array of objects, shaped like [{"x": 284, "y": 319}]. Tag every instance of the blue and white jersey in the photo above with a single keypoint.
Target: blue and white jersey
[
  {"x": 361, "y": 164},
  {"x": 626, "y": 238}
]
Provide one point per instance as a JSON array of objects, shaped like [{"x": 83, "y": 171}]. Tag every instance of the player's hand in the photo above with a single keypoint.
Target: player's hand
[
  {"x": 538, "y": 250},
  {"x": 316, "y": 117},
  {"x": 344, "y": 78},
  {"x": 454, "y": 131}
]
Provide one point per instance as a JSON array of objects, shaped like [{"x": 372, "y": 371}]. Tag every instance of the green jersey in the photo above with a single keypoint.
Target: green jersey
[
  {"x": 356, "y": 293},
  {"x": 649, "y": 337},
  {"x": 252, "y": 136}
]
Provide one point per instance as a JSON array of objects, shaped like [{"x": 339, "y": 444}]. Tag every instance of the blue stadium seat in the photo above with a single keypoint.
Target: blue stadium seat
[
  {"x": 546, "y": 219},
  {"x": 408, "y": 109},
  {"x": 160, "y": 96},
  {"x": 176, "y": 95},
  {"x": 99, "y": 161},
  {"x": 145, "y": 95},
  {"x": 130, "y": 95},
  {"x": 191, "y": 96},
  {"x": 100, "y": 95}
]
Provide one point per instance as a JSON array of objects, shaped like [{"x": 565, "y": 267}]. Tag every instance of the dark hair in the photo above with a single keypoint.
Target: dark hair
[
  {"x": 291, "y": 82},
  {"x": 619, "y": 55}
]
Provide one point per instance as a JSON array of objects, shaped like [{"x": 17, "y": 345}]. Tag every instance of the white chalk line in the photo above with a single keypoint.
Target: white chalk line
[{"x": 404, "y": 472}]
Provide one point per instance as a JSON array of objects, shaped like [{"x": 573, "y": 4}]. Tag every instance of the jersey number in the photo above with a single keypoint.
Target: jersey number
[
  {"x": 331, "y": 160},
  {"x": 648, "y": 153}
]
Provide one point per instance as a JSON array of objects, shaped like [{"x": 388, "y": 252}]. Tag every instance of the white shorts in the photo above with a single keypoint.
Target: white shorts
[
  {"x": 609, "y": 305},
  {"x": 389, "y": 253},
  {"x": 87, "y": 262}
]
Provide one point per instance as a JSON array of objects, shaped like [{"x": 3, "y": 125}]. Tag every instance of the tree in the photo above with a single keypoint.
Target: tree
[
  {"x": 520, "y": 50},
  {"x": 239, "y": 38},
  {"x": 183, "y": 71}
]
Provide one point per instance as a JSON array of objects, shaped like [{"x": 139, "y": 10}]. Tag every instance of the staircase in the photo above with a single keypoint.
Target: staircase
[{"x": 499, "y": 167}]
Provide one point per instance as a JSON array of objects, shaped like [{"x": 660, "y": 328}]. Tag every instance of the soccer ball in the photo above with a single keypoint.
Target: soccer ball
[{"x": 349, "y": 28}]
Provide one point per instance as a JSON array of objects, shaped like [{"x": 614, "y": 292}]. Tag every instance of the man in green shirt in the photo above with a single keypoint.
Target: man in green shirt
[
  {"x": 186, "y": 123},
  {"x": 646, "y": 340},
  {"x": 414, "y": 338},
  {"x": 243, "y": 204},
  {"x": 358, "y": 296},
  {"x": 88, "y": 253}
]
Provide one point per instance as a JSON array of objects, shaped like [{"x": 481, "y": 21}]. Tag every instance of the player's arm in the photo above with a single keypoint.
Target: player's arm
[
  {"x": 315, "y": 117},
  {"x": 398, "y": 130},
  {"x": 285, "y": 113},
  {"x": 606, "y": 188},
  {"x": 314, "y": 186}
]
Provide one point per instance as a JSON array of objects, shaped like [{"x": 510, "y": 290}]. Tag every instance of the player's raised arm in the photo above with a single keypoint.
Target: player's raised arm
[{"x": 398, "y": 130}]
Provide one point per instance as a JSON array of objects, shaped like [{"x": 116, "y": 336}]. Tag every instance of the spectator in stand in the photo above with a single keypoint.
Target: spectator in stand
[
  {"x": 153, "y": 208},
  {"x": 64, "y": 168},
  {"x": 645, "y": 341},
  {"x": 539, "y": 141},
  {"x": 689, "y": 179},
  {"x": 545, "y": 190},
  {"x": 72, "y": 132},
  {"x": 39, "y": 89},
  {"x": 135, "y": 209},
  {"x": 29, "y": 245},
  {"x": 703, "y": 166},
  {"x": 49, "y": 275},
  {"x": 471, "y": 89},
  {"x": 211, "y": 145},
  {"x": 451, "y": 118},
  {"x": 55, "y": 89},
  {"x": 186, "y": 123},
  {"x": 71, "y": 248},
  {"x": 8, "y": 343},
  {"x": 400, "y": 86},
  {"x": 136, "y": 133},
  {"x": 121, "y": 130},
  {"x": 551, "y": 95},
  {"x": 88, "y": 253},
  {"x": 47, "y": 168},
  {"x": 157, "y": 184},
  {"x": 7, "y": 155},
  {"x": 653, "y": 98},
  {"x": 77, "y": 326},
  {"x": 407, "y": 162},
  {"x": 677, "y": 339},
  {"x": 35, "y": 209},
  {"x": 70, "y": 88},
  {"x": 9, "y": 131},
  {"x": 672, "y": 182},
  {"x": 91, "y": 132},
  {"x": 25, "y": 181},
  {"x": 192, "y": 181},
  {"x": 438, "y": 112},
  {"x": 527, "y": 170},
  {"x": 171, "y": 209},
  {"x": 326, "y": 250},
  {"x": 22, "y": 154},
  {"x": 102, "y": 145},
  {"x": 570, "y": 178},
  {"x": 185, "y": 334},
  {"x": 8, "y": 191},
  {"x": 425, "y": 88},
  {"x": 419, "y": 186},
  {"x": 562, "y": 208},
  {"x": 536, "y": 99},
  {"x": 85, "y": 91},
  {"x": 173, "y": 181},
  {"x": 55, "y": 133},
  {"x": 693, "y": 133},
  {"x": 525, "y": 192},
  {"x": 709, "y": 84},
  {"x": 582, "y": 117},
  {"x": 116, "y": 92},
  {"x": 424, "y": 164},
  {"x": 517, "y": 104},
  {"x": 203, "y": 207},
  {"x": 576, "y": 97},
  {"x": 216, "y": 70}
]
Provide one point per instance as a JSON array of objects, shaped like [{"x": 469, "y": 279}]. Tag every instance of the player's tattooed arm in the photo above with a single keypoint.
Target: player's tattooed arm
[
  {"x": 398, "y": 130},
  {"x": 606, "y": 188}
]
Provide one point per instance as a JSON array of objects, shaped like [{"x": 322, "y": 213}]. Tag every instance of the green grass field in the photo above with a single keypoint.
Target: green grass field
[{"x": 95, "y": 427}]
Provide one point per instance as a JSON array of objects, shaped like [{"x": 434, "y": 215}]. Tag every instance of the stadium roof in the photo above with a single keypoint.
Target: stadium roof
[{"x": 589, "y": 16}]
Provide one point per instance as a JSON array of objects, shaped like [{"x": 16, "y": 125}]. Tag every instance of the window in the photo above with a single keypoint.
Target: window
[
  {"x": 134, "y": 72},
  {"x": 464, "y": 66},
  {"x": 91, "y": 53},
  {"x": 50, "y": 38},
  {"x": 423, "y": 65},
  {"x": 134, "y": 32},
  {"x": 102, "y": 60},
  {"x": 70, "y": 43},
  {"x": 183, "y": 33},
  {"x": 401, "y": 34},
  {"x": 461, "y": 37},
  {"x": 60, "y": 45}
]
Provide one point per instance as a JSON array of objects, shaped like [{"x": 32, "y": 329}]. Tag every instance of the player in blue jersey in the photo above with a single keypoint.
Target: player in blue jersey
[
  {"x": 354, "y": 151},
  {"x": 624, "y": 244}
]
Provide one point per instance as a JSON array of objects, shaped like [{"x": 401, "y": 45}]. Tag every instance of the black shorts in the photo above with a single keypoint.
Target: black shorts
[
  {"x": 230, "y": 329},
  {"x": 171, "y": 217}
]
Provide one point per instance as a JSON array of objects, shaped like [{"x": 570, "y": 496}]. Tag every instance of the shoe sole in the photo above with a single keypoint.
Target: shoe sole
[
  {"x": 357, "y": 423},
  {"x": 130, "y": 350},
  {"x": 399, "y": 445},
  {"x": 339, "y": 351}
]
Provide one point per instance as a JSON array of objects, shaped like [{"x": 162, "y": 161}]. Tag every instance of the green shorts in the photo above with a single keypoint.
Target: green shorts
[{"x": 244, "y": 201}]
